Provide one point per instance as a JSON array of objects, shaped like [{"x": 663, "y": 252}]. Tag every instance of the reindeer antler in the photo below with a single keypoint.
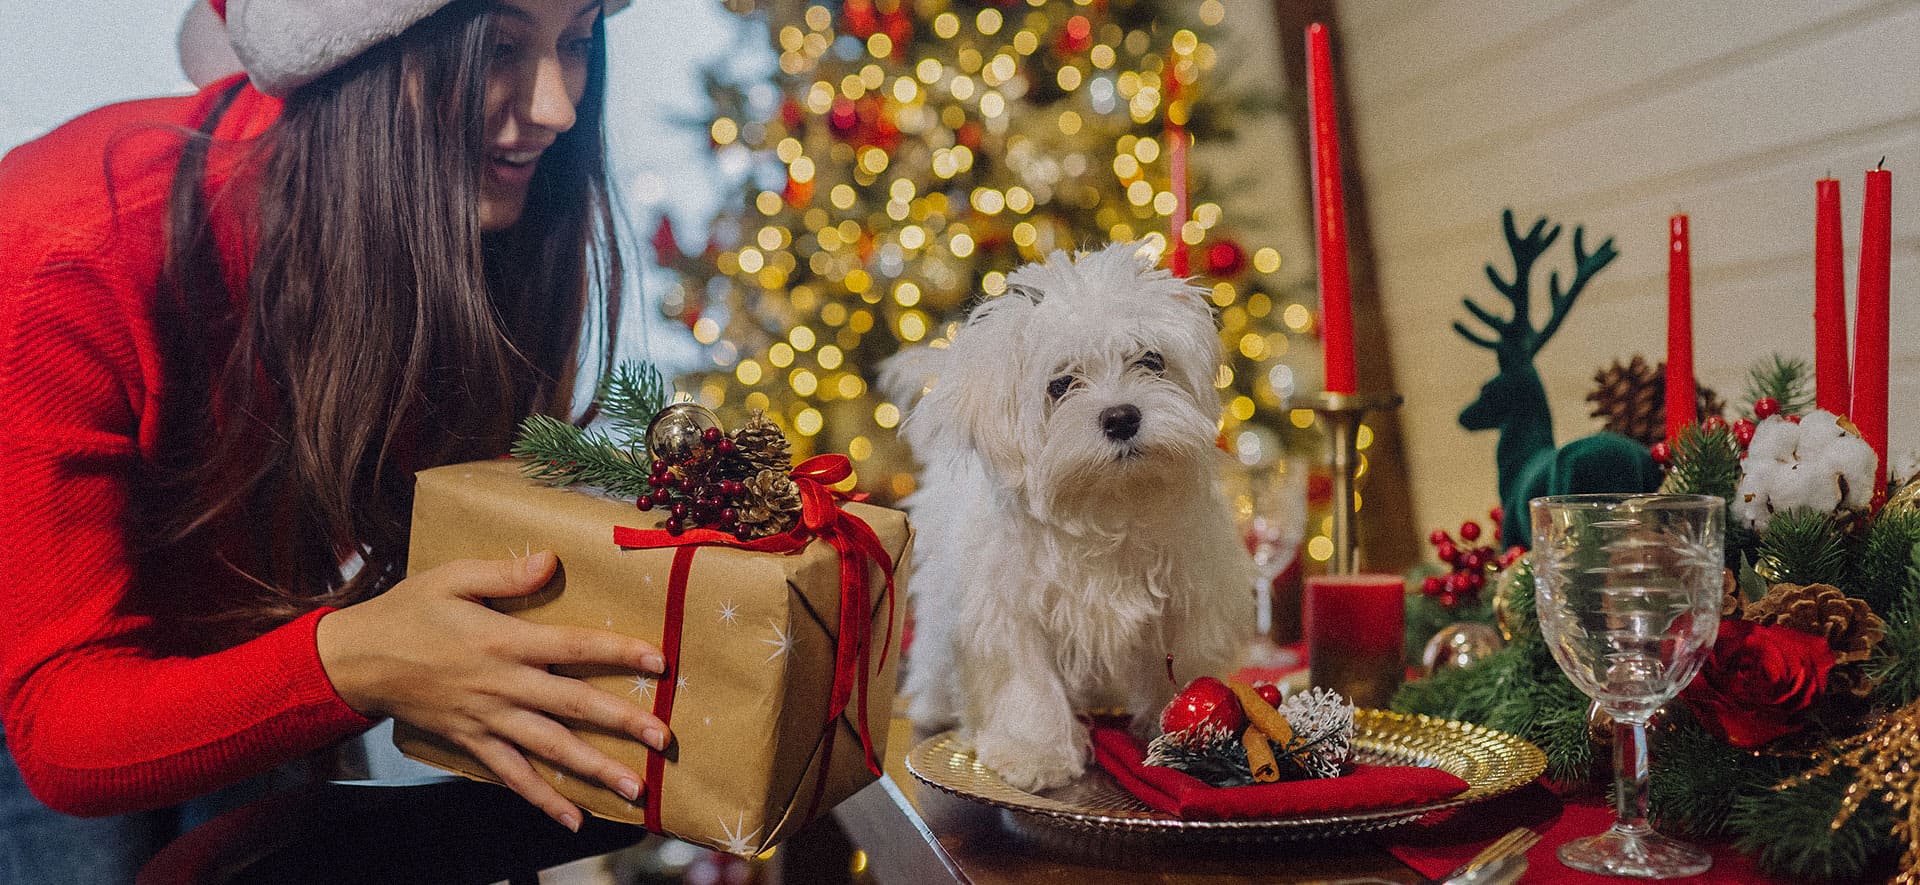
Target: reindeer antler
[{"x": 1518, "y": 340}]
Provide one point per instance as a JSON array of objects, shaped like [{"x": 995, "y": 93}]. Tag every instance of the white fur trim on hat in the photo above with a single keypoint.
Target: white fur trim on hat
[{"x": 285, "y": 44}]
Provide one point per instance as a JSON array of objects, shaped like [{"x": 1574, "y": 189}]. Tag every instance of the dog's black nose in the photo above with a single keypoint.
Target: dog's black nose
[{"x": 1120, "y": 422}]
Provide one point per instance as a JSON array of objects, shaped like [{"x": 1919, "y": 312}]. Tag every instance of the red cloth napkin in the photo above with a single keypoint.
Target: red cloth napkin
[{"x": 1176, "y": 792}]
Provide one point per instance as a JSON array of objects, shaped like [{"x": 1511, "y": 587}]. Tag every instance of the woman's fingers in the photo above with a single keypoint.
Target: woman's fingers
[
  {"x": 490, "y": 578},
  {"x": 576, "y": 701},
  {"x": 552, "y": 741},
  {"x": 512, "y": 769},
  {"x": 547, "y": 644}
]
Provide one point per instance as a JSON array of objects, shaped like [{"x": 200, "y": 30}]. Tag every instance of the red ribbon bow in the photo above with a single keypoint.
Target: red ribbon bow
[{"x": 820, "y": 517}]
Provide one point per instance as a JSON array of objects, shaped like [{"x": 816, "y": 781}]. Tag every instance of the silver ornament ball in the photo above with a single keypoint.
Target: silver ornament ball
[
  {"x": 677, "y": 433},
  {"x": 1458, "y": 646}
]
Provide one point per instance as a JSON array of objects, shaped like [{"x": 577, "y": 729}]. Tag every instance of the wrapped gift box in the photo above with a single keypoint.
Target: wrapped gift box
[{"x": 754, "y": 756}]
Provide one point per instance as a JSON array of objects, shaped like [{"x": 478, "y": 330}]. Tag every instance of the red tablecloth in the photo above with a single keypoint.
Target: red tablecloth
[{"x": 1436, "y": 846}]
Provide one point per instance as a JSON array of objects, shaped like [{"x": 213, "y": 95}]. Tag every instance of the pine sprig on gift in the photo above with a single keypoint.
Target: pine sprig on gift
[
  {"x": 560, "y": 454},
  {"x": 1881, "y": 567},
  {"x": 1789, "y": 831},
  {"x": 1803, "y": 547},
  {"x": 631, "y": 395},
  {"x": 1786, "y": 381},
  {"x": 1706, "y": 461}
]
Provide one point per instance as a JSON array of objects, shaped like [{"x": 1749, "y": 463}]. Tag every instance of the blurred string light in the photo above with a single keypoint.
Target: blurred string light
[{"x": 910, "y": 171}]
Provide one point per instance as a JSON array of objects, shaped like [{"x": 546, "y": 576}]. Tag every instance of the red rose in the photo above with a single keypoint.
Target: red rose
[{"x": 1756, "y": 681}]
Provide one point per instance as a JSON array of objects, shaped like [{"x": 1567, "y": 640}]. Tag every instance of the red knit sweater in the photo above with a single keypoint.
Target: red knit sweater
[{"x": 113, "y": 701}]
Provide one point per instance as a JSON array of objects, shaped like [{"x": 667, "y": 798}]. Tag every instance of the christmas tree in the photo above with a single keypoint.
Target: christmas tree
[{"x": 911, "y": 153}]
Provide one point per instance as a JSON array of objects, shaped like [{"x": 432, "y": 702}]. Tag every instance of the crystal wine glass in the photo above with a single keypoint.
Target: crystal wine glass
[
  {"x": 1628, "y": 589},
  {"x": 1269, "y": 501}
]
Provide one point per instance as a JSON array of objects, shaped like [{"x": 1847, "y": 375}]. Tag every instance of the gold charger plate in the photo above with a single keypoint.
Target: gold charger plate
[{"x": 1491, "y": 762}]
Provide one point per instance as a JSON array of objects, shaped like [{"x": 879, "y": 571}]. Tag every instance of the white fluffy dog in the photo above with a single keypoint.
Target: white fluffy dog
[{"x": 1072, "y": 534}]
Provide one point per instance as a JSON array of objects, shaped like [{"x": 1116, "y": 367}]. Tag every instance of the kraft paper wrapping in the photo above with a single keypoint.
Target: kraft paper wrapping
[{"x": 756, "y": 659}]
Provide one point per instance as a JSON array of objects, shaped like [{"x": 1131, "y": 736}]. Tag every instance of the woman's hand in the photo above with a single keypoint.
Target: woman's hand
[{"x": 429, "y": 652}]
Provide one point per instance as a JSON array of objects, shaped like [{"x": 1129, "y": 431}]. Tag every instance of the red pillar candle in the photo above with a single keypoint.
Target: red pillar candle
[
  {"x": 1833, "y": 391},
  {"x": 1680, "y": 393},
  {"x": 1329, "y": 216},
  {"x": 1871, "y": 317},
  {"x": 1356, "y": 630}
]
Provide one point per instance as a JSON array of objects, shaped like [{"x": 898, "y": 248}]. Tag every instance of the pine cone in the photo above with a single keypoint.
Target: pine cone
[
  {"x": 762, "y": 446},
  {"x": 1849, "y": 625},
  {"x": 1631, "y": 400},
  {"x": 1733, "y": 603},
  {"x": 772, "y": 504}
]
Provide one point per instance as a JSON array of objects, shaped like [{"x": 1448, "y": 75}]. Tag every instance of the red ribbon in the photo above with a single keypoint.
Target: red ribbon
[{"x": 820, "y": 517}]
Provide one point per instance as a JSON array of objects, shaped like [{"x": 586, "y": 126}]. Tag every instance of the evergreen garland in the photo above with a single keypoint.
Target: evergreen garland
[
  {"x": 1896, "y": 661},
  {"x": 1686, "y": 755},
  {"x": 1786, "y": 381},
  {"x": 1706, "y": 461},
  {"x": 1789, "y": 831},
  {"x": 1882, "y": 569},
  {"x": 1803, "y": 547}
]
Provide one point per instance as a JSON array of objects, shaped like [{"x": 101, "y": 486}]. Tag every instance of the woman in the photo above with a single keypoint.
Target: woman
[{"x": 231, "y": 327}]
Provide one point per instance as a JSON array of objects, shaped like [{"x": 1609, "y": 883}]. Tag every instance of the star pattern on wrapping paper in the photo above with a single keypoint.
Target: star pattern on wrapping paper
[
  {"x": 738, "y": 842},
  {"x": 728, "y": 612},
  {"x": 642, "y": 688},
  {"x": 782, "y": 641},
  {"x": 706, "y": 720},
  {"x": 680, "y": 684}
]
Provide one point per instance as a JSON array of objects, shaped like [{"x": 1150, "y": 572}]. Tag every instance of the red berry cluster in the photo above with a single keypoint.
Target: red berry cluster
[
  {"x": 1763, "y": 408},
  {"x": 1471, "y": 566},
  {"x": 700, "y": 492}
]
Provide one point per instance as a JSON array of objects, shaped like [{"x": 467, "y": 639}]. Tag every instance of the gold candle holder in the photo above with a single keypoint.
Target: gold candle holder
[{"x": 1340, "y": 416}]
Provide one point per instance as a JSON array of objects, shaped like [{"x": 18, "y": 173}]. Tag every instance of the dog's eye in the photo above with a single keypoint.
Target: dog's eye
[
  {"x": 1152, "y": 362},
  {"x": 1058, "y": 387}
]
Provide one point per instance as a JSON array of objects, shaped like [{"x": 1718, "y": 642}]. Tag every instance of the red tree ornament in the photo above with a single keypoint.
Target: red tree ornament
[
  {"x": 861, "y": 19},
  {"x": 1226, "y": 259}
]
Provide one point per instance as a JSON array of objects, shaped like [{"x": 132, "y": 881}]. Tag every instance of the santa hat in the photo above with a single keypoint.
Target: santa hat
[{"x": 285, "y": 44}]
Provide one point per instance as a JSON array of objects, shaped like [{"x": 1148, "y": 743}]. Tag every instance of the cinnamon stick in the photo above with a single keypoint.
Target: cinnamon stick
[
  {"x": 1262, "y": 714},
  {"x": 1260, "y": 759}
]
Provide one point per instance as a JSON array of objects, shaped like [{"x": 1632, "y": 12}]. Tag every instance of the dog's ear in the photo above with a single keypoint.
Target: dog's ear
[
  {"x": 971, "y": 397},
  {"x": 1029, "y": 293}
]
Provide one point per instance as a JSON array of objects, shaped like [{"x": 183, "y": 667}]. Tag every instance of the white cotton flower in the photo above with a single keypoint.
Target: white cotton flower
[{"x": 1817, "y": 463}]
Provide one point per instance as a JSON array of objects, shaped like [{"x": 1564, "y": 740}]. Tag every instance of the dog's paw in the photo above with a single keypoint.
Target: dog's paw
[{"x": 1033, "y": 767}]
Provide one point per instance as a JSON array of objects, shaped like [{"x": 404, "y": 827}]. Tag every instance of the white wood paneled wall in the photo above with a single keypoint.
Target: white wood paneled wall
[{"x": 1612, "y": 115}]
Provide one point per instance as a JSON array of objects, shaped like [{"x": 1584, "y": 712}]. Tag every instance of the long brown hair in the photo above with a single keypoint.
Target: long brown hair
[{"x": 380, "y": 331}]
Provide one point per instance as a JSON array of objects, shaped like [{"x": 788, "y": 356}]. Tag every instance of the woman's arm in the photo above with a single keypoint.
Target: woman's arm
[{"x": 99, "y": 717}]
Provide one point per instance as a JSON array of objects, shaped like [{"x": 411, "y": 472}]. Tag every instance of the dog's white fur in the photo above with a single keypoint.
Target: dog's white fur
[{"x": 1059, "y": 567}]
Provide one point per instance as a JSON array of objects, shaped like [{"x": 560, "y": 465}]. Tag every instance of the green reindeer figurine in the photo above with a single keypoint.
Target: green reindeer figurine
[{"x": 1515, "y": 402}]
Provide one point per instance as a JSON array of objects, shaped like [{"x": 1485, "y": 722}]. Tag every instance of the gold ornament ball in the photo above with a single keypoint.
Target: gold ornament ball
[
  {"x": 1905, "y": 495},
  {"x": 677, "y": 433},
  {"x": 1458, "y": 646}
]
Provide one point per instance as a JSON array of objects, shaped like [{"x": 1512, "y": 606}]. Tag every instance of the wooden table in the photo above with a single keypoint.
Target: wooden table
[{"x": 914, "y": 834}]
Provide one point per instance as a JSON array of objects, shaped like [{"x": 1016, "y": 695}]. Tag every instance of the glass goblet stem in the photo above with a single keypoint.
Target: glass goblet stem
[{"x": 1630, "y": 777}]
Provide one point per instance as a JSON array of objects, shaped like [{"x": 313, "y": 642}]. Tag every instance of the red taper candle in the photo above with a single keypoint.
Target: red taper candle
[
  {"x": 1176, "y": 133},
  {"x": 1871, "y": 318},
  {"x": 1329, "y": 216},
  {"x": 1833, "y": 392},
  {"x": 1680, "y": 393}
]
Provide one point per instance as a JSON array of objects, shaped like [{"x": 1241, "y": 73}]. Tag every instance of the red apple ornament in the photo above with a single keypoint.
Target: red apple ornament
[{"x": 1205, "y": 705}]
